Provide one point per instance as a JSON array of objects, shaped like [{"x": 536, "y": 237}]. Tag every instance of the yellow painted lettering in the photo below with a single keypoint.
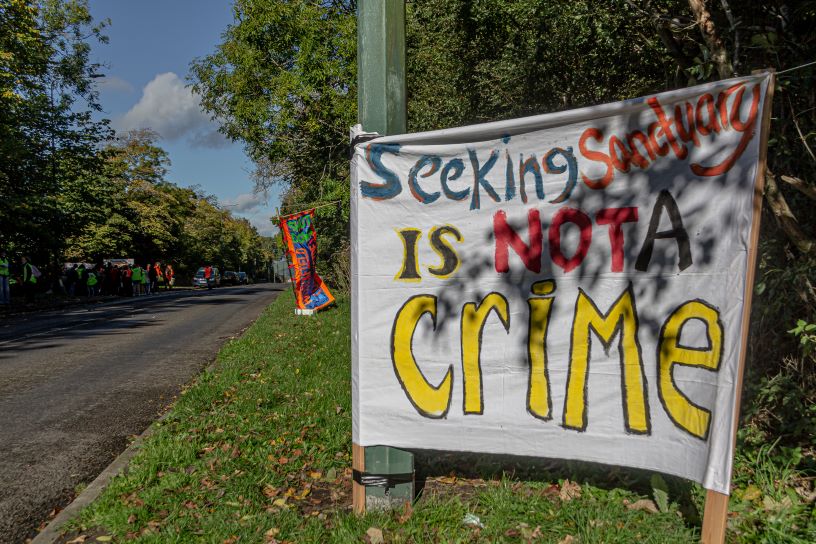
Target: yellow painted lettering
[
  {"x": 430, "y": 401},
  {"x": 539, "y": 402},
  {"x": 473, "y": 322},
  {"x": 686, "y": 415},
  {"x": 620, "y": 320}
]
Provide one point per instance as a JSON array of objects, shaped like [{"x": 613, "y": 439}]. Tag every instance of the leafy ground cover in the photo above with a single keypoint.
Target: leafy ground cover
[{"x": 259, "y": 450}]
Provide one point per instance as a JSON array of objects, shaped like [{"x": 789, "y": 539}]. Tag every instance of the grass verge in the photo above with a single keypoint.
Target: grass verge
[{"x": 259, "y": 450}]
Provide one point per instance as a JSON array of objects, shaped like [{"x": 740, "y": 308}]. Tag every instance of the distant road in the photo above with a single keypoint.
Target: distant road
[{"x": 76, "y": 384}]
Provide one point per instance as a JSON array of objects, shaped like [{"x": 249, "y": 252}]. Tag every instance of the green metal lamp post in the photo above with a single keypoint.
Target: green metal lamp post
[{"x": 381, "y": 108}]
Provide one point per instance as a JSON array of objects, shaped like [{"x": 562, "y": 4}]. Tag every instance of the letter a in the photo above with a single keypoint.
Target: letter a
[{"x": 665, "y": 201}]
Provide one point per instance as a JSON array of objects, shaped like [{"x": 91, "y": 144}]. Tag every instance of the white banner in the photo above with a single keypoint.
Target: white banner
[{"x": 568, "y": 285}]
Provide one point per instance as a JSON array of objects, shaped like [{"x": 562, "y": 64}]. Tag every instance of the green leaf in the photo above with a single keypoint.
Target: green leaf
[{"x": 660, "y": 492}]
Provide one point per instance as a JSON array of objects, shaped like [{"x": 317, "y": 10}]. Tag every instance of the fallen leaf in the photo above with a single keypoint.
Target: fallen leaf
[
  {"x": 283, "y": 460},
  {"x": 131, "y": 518},
  {"x": 279, "y": 502},
  {"x": 271, "y": 534},
  {"x": 771, "y": 505},
  {"x": 407, "y": 512},
  {"x": 643, "y": 504},
  {"x": 374, "y": 535},
  {"x": 315, "y": 474},
  {"x": 297, "y": 453},
  {"x": 751, "y": 493},
  {"x": 104, "y": 538},
  {"x": 78, "y": 540},
  {"x": 569, "y": 490},
  {"x": 569, "y": 539}
]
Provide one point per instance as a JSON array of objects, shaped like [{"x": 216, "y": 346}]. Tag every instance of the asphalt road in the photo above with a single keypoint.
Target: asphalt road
[{"x": 76, "y": 385}]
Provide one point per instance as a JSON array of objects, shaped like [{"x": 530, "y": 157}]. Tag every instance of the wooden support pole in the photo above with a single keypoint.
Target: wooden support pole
[
  {"x": 715, "y": 514},
  {"x": 381, "y": 108}
]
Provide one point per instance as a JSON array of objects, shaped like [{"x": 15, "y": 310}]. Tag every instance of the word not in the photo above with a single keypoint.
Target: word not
[
  {"x": 671, "y": 134},
  {"x": 431, "y": 165},
  {"x": 619, "y": 321},
  {"x": 506, "y": 236}
]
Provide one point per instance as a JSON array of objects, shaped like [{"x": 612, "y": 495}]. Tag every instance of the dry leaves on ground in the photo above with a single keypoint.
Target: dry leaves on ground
[
  {"x": 374, "y": 535},
  {"x": 569, "y": 490},
  {"x": 643, "y": 504}
]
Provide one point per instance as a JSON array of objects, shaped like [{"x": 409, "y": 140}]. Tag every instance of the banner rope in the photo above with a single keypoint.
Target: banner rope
[
  {"x": 797, "y": 67},
  {"x": 325, "y": 205}
]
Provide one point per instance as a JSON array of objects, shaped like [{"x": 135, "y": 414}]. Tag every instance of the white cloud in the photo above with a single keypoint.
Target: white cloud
[
  {"x": 264, "y": 224},
  {"x": 114, "y": 84},
  {"x": 245, "y": 202},
  {"x": 173, "y": 110}
]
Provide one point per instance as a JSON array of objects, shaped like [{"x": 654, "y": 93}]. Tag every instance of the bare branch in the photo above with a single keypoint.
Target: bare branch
[
  {"x": 800, "y": 185},
  {"x": 784, "y": 216},
  {"x": 733, "y": 22},
  {"x": 799, "y": 130}
]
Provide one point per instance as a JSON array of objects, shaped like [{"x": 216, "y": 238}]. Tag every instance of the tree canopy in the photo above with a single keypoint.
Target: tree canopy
[{"x": 69, "y": 187}]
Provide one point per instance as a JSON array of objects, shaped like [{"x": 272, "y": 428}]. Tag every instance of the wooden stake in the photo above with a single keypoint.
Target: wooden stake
[
  {"x": 358, "y": 496},
  {"x": 286, "y": 255},
  {"x": 715, "y": 515}
]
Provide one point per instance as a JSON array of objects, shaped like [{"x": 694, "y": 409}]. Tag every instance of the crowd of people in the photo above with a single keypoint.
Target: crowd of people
[
  {"x": 123, "y": 280},
  {"x": 80, "y": 279}
]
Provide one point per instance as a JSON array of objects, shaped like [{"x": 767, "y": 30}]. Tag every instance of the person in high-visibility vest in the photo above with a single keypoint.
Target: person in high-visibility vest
[
  {"x": 5, "y": 272},
  {"x": 136, "y": 278},
  {"x": 91, "y": 283},
  {"x": 29, "y": 279}
]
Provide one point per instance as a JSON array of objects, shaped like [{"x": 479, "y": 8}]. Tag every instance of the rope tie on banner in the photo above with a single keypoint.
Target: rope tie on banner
[
  {"x": 360, "y": 138},
  {"x": 382, "y": 480}
]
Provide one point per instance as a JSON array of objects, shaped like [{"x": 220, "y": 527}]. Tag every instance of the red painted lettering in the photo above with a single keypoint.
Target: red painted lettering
[
  {"x": 506, "y": 237},
  {"x": 579, "y": 218}
]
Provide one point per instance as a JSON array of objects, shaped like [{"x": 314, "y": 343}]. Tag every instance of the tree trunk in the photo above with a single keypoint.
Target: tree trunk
[{"x": 719, "y": 53}]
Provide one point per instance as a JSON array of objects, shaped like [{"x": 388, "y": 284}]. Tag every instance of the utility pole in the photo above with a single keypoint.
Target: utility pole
[{"x": 381, "y": 108}]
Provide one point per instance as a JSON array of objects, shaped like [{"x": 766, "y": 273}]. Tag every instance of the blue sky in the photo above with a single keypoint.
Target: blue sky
[{"x": 151, "y": 45}]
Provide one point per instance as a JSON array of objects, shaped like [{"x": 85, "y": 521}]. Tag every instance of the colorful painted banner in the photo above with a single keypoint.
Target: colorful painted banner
[
  {"x": 301, "y": 243},
  {"x": 569, "y": 285}
]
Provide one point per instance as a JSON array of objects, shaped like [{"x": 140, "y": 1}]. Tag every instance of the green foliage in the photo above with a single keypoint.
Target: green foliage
[
  {"x": 132, "y": 210},
  {"x": 471, "y": 62},
  {"x": 283, "y": 83},
  {"x": 47, "y": 140},
  {"x": 806, "y": 332},
  {"x": 660, "y": 492}
]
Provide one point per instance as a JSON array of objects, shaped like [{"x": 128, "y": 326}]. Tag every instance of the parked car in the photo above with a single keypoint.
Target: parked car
[
  {"x": 230, "y": 276},
  {"x": 200, "y": 281},
  {"x": 243, "y": 279}
]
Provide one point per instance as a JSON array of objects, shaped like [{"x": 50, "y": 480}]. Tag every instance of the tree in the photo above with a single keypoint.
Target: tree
[
  {"x": 283, "y": 82},
  {"x": 49, "y": 141}
]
